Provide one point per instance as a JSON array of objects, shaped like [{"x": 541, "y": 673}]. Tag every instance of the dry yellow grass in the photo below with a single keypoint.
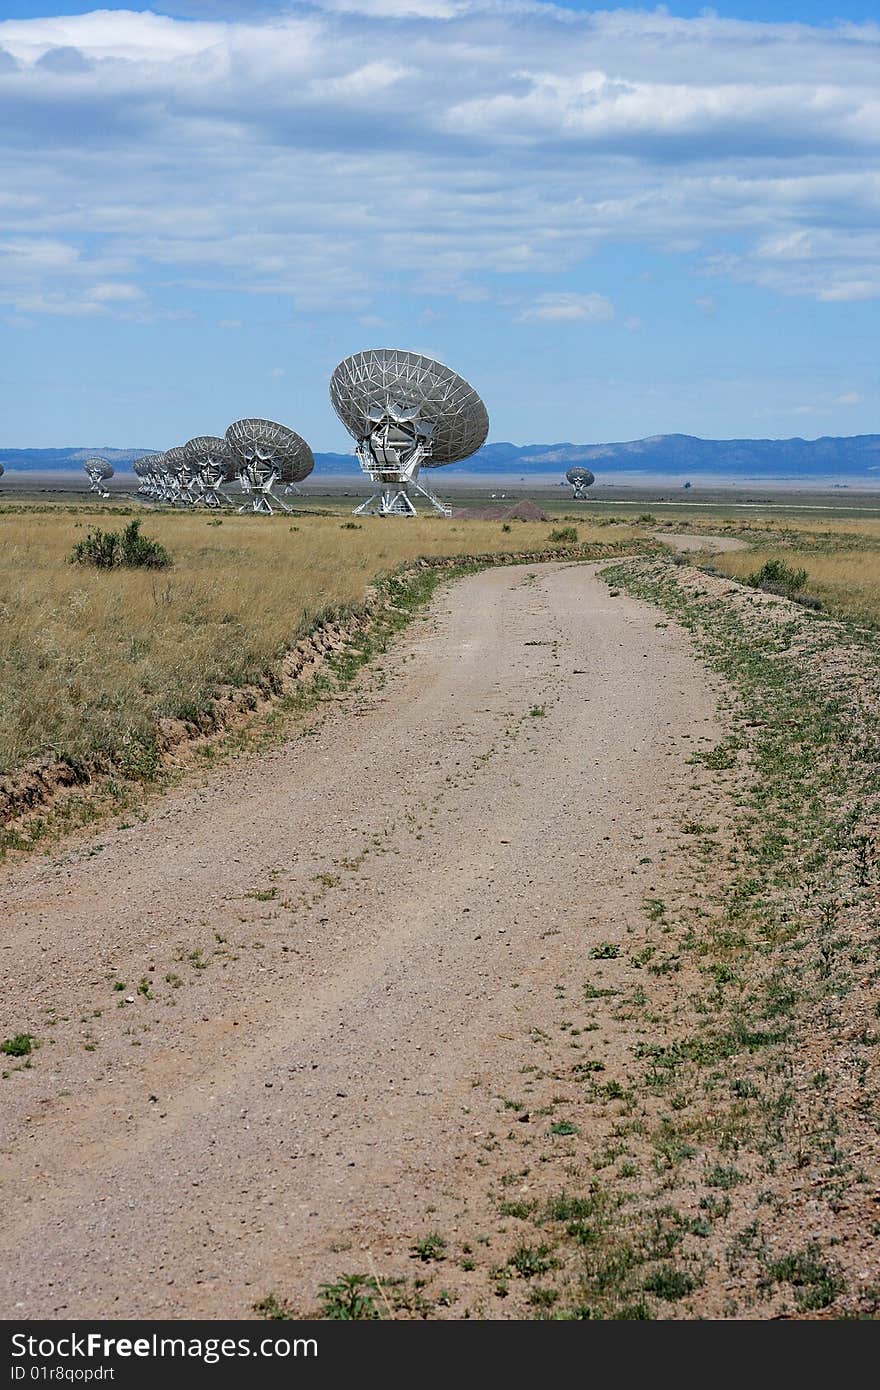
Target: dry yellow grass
[
  {"x": 846, "y": 580},
  {"x": 814, "y": 528},
  {"x": 91, "y": 659},
  {"x": 840, "y": 554}
]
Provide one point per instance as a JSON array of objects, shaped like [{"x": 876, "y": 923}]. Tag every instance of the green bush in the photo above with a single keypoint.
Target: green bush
[
  {"x": 350, "y": 1299},
  {"x": 776, "y": 577},
  {"x": 565, "y": 534},
  {"x": 110, "y": 550},
  {"x": 19, "y": 1046}
]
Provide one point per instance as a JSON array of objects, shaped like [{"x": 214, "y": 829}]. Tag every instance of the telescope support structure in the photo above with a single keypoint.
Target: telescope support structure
[
  {"x": 394, "y": 475},
  {"x": 260, "y": 489}
]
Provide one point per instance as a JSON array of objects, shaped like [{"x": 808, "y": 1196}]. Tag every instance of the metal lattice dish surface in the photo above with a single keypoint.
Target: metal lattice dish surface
[
  {"x": 210, "y": 453},
  {"x": 174, "y": 460},
  {"x": 98, "y": 468},
  {"x": 405, "y": 385},
  {"x": 270, "y": 448},
  {"x": 580, "y": 475}
]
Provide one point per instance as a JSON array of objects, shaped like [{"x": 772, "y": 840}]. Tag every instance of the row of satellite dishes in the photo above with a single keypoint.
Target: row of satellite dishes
[{"x": 404, "y": 411}]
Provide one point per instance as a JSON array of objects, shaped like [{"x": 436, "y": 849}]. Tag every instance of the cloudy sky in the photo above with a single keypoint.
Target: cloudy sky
[{"x": 615, "y": 221}]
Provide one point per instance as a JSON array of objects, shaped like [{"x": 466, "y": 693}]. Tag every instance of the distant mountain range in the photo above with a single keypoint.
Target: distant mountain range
[{"x": 855, "y": 456}]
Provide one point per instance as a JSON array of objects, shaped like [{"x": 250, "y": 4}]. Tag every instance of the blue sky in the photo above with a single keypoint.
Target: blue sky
[{"x": 615, "y": 221}]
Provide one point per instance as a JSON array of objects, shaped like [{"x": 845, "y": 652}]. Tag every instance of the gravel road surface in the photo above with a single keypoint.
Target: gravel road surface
[{"x": 274, "y": 1013}]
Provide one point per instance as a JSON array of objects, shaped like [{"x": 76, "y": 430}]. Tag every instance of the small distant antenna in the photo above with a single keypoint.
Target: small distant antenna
[
  {"x": 580, "y": 479},
  {"x": 99, "y": 472},
  {"x": 406, "y": 412},
  {"x": 265, "y": 453}
]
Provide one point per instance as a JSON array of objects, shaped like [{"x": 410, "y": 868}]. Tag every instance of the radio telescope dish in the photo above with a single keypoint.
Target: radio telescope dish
[
  {"x": 99, "y": 471},
  {"x": 406, "y": 412},
  {"x": 580, "y": 479},
  {"x": 213, "y": 464},
  {"x": 149, "y": 468},
  {"x": 265, "y": 453},
  {"x": 179, "y": 476},
  {"x": 155, "y": 484}
]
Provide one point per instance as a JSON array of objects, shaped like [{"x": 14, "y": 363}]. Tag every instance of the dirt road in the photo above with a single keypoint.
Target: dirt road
[
  {"x": 274, "y": 1016},
  {"x": 686, "y": 542}
]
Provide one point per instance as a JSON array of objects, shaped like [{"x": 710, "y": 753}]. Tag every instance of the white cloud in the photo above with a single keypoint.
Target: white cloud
[
  {"x": 433, "y": 145},
  {"x": 349, "y": 87},
  {"x": 848, "y": 398},
  {"x": 277, "y": 371},
  {"x": 568, "y": 308},
  {"x": 400, "y": 9},
  {"x": 110, "y": 34},
  {"x": 42, "y": 275},
  {"x": 115, "y": 293},
  {"x": 848, "y": 290}
]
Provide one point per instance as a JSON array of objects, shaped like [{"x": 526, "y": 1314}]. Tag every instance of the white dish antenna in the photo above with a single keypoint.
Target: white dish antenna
[
  {"x": 406, "y": 412},
  {"x": 265, "y": 453},
  {"x": 580, "y": 479},
  {"x": 99, "y": 471}
]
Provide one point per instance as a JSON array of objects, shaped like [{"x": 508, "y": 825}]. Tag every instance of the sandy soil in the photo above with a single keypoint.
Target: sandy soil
[
  {"x": 716, "y": 545},
  {"x": 331, "y": 953}
]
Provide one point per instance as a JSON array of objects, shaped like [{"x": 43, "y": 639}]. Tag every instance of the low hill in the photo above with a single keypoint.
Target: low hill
[{"x": 854, "y": 456}]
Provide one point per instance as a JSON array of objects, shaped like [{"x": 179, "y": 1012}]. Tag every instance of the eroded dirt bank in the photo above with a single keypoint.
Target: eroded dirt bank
[{"x": 280, "y": 1018}]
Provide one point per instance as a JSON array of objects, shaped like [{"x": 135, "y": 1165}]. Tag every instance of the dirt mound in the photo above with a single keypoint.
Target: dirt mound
[{"x": 521, "y": 511}]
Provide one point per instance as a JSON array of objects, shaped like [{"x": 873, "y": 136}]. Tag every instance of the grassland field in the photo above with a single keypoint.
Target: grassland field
[{"x": 90, "y": 660}]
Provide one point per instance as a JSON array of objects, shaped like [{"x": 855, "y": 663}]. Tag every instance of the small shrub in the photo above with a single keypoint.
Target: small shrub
[
  {"x": 520, "y": 1210},
  {"x": 566, "y": 1208},
  {"x": 431, "y": 1247},
  {"x": 776, "y": 577},
  {"x": 350, "y": 1299},
  {"x": 543, "y": 1298},
  {"x": 110, "y": 550},
  {"x": 814, "y": 1282},
  {"x": 141, "y": 551},
  {"x": 271, "y": 1307},
  {"x": 566, "y": 535},
  {"x": 529, "y": 1260},
  {"x": 100, "y": 548},
  {"x": 19, "y": 1046},
  {"x": 606, "y": 950},
  {"x": 670, "y": 1283},
  {"x": 717, "y": 759},
  {"x": 723, "y": 1176}
]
